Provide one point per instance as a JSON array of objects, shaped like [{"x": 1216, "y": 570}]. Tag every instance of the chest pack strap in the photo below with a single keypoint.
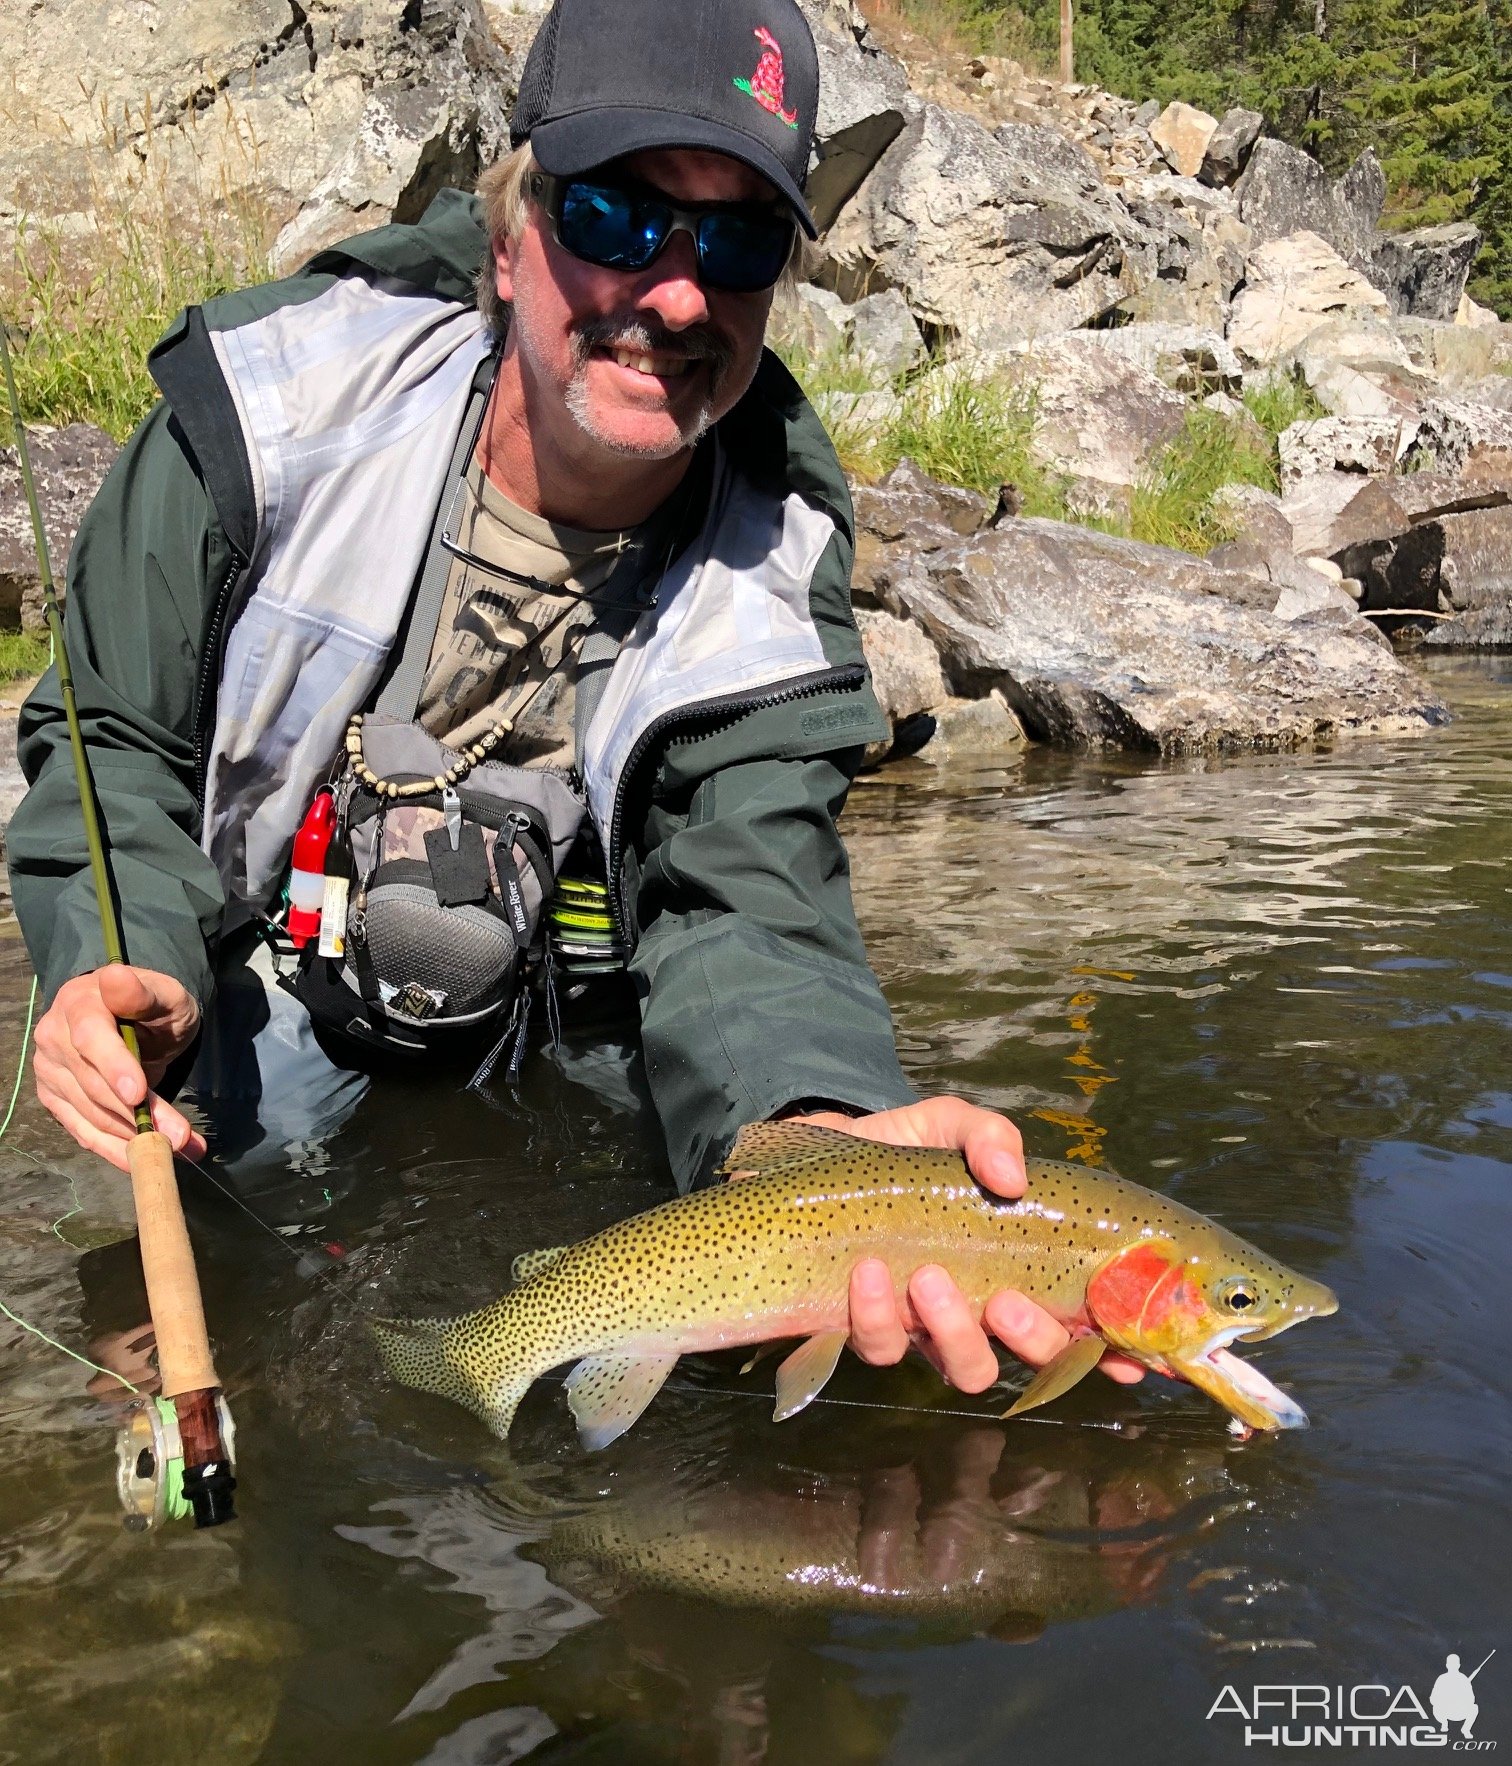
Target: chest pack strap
[{"x": 400, "y": 696}]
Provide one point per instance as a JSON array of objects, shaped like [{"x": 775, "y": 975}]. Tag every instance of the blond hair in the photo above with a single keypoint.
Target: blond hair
[{"x": 504, "y": 191}]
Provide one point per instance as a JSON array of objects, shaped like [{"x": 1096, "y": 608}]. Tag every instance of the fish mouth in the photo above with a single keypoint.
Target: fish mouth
[{"x": 1242, "y": 1390}]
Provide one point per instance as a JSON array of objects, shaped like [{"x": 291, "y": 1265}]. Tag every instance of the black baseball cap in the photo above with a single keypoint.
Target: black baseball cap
[{"x": 611, "y": 77}]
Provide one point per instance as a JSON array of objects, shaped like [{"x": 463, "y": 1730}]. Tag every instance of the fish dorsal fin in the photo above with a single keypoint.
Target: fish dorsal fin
[
  {"x": 801, "y": 1377},
  {"x": 1060, "y": 1374},
  {"x": 608, "y": 1392},
  {"x": 780, "y": 1146},
  {"x": 528, "y": 1263}
]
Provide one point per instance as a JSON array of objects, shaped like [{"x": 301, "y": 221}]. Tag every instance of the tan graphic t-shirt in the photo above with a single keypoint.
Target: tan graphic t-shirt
[{"x": 500, "y": 645}]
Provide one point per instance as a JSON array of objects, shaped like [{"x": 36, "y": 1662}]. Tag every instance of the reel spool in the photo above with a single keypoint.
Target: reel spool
[{"x": 150, "y": 1463}]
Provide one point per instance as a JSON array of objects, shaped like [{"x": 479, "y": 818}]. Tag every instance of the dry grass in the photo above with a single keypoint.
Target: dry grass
[{"x": 85, "y": 296}]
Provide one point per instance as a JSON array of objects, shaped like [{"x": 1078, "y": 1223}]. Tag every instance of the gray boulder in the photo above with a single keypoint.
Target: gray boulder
[
  {"x": 69, "y": 466},
  {"x": 230, "y": 119},
  {"x": 1100, "y": 642},
  {"x": 1228, "y": 150},
  {"x": 1313, "y": 508},
  {"x": 1475, "y": 571},
  {"x": 1252, "y": 513},
  {"x": 1284, "y": 190},
  {"x": 905, "y": 666},
  {"x": 885, "y": 334},
  {"x": 1189, "y": 358},
  {"x": 1322, "y": 445},
  {"x": 1101, "y": 416},
  {"x": 1423, "y": 273},
  {"x": 967, "y": 729},
  {"x": 1360, "y": 367},
  {"x": 1472, "y": 440},
  {"x": 1456, "y": 356},
  {"x": 1292, "y": 285},
  {"x": 863, "y": 103},
  {"x": 984, "y": 245},
  {"x": 1482, "y": 628}
]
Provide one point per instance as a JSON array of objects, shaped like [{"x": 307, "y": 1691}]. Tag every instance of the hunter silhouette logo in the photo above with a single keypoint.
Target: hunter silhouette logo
[
  {"x": 765, "y": 85},
  {"x": 1288, "y": 1715}
]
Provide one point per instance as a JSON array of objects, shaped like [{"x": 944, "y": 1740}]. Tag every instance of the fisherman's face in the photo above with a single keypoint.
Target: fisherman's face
[{"x": 640, "y": 362}]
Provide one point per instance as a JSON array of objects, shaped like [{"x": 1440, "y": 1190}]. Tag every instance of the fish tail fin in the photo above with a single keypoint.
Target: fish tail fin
[{"x": 423, "y": 1353}]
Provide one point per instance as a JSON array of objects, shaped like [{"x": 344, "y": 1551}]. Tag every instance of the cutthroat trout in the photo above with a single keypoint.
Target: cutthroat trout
[{"x": 771, "y": 1256}]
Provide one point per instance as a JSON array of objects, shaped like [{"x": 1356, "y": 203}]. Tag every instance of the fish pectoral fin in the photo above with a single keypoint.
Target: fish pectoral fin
[
  {"x": 528, "y": 1262},
  {"x": 780, "y": 1146},
  {"x": 1074, "y": 1363},
  {"x": 801, "y": 1377},
  {"x": 608, "y": 1392}
]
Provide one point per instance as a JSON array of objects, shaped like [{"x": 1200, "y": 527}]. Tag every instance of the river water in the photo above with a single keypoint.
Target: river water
[{"x": 1278, "y": 987}]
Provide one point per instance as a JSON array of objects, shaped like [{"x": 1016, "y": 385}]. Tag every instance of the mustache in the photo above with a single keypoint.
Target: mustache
[{"x": 699, "y": 343}]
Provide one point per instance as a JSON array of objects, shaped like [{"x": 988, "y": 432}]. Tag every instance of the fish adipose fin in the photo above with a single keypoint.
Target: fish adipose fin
[
  {"x": 784, "y": 1146},
  {"x": 608, "y": 1392},
  {"x": 1073, "y": 1364},
  {"x": 529, "y": 1262},
  {"x": 801, "y": 1377}
]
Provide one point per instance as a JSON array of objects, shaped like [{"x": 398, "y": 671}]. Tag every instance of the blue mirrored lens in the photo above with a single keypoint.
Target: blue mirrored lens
[
  {"x": 743, "y": 252},
  {"x": 610, "y": 227},
  {"x": 622, "y": 230}
]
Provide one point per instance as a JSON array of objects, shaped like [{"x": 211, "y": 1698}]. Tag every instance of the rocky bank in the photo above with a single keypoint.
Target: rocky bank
[{"x": 1122, "y": 264}]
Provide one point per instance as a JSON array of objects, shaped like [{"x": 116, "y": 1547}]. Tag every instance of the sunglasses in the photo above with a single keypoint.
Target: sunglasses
[{"x": 741, "y": 246}]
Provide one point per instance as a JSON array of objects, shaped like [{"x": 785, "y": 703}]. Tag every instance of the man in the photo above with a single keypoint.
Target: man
[{"x": 237, "y": 592}]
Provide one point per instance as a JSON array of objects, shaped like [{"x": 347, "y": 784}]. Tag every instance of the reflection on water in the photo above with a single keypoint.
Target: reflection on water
[{"x": 1279, "y": 988}]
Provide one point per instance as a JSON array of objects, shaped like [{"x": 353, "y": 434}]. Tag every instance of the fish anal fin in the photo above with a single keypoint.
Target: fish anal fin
[
  {"x": 529, "y": 1263},
  {"x": 801, "y": 1377},
  {"x": 1072, "y": 1365},
  {"x": 608, "y": 1392},
  {"x": 774, "y": 1146}
]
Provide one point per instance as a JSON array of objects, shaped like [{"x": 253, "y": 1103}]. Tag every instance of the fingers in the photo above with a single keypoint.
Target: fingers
[
  {"x": 180, "y": 1132},
  {"x": 993, "y": 1147},
  {"x": 88, "y": 1079},
  {"x": 994, "y": 1151},
  {"x": 96, "y": 1133},
  {"x": 96, "y": 1045},
  {"x": 877, "y": 1332},
  {"x": 961, "y": 1349},
  {"x": 1034, "y": 1336}
]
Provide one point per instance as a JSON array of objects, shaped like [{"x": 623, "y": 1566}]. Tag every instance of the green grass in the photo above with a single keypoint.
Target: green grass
[
  {"x": 80, "y": 340},
  {"x": 1284, "y": 399},
  {"x": 976, "y": 433},
  {"x": 22, "y": 655},
  {"x": 1173, "y": 504},
  {"x": 979, "y": 433}
]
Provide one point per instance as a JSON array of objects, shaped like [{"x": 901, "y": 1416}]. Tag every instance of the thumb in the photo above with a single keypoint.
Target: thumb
[{"x": 128, "y": 993}]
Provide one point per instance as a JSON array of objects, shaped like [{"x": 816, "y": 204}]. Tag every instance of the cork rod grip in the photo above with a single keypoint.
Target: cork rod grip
[{"x": 173, "y": 1295}]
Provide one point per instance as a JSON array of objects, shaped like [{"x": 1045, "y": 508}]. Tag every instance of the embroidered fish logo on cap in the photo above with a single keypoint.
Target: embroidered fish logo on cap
[{"x": 765, "y": 85}]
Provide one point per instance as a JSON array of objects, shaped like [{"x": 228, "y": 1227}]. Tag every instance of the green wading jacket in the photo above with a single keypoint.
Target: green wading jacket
[{"x": 717, "y": 807}]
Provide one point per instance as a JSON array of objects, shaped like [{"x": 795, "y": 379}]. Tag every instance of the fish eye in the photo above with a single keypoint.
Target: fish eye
[{"x": 1237, "y": 1294}]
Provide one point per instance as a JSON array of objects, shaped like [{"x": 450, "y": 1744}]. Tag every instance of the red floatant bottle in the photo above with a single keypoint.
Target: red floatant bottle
[{"x": 307, "y": 878}]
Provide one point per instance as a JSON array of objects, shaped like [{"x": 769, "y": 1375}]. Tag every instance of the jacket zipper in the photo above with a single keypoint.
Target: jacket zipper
[
  {"x": 715, "y": 713},
  {"x": 208, "y": 686}
]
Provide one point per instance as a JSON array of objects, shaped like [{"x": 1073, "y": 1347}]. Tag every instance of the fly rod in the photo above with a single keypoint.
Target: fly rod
[{"x": 175, "y": 1455}]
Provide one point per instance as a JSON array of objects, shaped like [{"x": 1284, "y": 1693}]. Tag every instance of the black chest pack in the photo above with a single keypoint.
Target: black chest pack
[{"x": 442, "y": 860}]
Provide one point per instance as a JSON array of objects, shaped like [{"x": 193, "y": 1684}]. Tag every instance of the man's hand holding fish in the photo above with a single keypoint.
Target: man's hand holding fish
[{"x": 937, "y": 1319}]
